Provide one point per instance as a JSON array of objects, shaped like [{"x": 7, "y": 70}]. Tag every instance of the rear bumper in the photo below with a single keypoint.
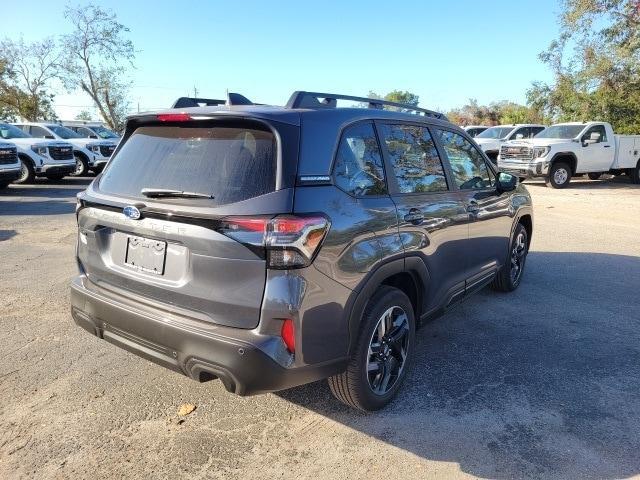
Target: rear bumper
[{"x": 245, "y": 361}]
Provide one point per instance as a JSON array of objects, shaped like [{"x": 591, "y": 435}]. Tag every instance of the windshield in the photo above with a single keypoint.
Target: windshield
[
  {"x": 9, "y": 131},
  {"x": 226, "y": 161},
  {"x": 63, "y": 132},
  {"x": 496, "y": 132},
  {"x": 103, "y": 132},
  {"x": 561, "y": 131}
]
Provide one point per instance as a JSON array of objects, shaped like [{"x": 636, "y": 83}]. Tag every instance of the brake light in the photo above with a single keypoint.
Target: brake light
[
  {"x": 174, "y": 117},
  {"x": 289, "y": 241},
  {"x": 288, "y": 335}
]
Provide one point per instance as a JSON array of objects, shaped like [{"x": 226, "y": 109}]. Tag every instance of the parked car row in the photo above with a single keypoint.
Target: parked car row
[
  {"x": 559, "y": 152},
  {"x": 52, "y": 150}
]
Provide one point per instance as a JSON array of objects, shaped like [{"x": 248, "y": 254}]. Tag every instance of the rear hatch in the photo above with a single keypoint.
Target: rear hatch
[{"x": 155, "y": 226}]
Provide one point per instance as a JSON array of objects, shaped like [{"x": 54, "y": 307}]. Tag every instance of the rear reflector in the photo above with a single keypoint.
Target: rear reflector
[
  {"x": 174, "y": 117},
  {"x": 288, "y": 335}
]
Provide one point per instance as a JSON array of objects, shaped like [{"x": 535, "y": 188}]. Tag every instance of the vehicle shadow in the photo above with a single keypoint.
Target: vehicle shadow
[
  {"x": 542, "y": 382},
  {"x": 7, "y": 234},
  {"x": 43, "y": 197},
  {"x": 622, "y": 182}
]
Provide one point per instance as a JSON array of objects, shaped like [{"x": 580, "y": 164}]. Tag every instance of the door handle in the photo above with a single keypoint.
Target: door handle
[
  {"x": 607, "y": 146},
  {"x": 414, "y": 216}
]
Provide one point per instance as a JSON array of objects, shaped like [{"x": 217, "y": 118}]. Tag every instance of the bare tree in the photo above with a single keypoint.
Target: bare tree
[
  {"x": 29, "y": 69},
  {"x": 98, "y": 52}
]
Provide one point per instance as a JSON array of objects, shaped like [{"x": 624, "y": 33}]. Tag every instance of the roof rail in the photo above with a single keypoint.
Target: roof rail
[
  {"x": 302, "y": 99},
  {"x": 232, "y": 99}
]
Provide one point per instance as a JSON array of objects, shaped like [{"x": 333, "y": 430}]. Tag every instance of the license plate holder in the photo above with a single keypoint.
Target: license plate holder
[{"x": 146, "y": 255}]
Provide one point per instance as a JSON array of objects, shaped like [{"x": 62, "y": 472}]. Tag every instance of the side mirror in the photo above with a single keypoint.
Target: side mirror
[
  {"x": 506, "y": 182},
  {"x": 51, "y": 137},
  {"x": 588, "y": 141},
  {"x": 93, "y": 136},
  {"x": 519, "y": 136}
]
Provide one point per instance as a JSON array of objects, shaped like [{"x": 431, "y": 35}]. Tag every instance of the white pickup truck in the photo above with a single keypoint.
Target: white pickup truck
[
  {"x": 567, "y": 149},
  {"x": 492, "y": 138}
]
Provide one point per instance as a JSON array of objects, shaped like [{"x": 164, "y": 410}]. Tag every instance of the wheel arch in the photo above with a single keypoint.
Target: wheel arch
[
  {"x": 409, "y": 275},
  {"x": 82, "y": 155},
  {"x": 24, "y": 157},
  {"x": 569, "y": 157}
]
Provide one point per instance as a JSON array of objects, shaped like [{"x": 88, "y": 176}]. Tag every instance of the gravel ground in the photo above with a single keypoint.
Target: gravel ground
[{"x": 541, "y": 383}]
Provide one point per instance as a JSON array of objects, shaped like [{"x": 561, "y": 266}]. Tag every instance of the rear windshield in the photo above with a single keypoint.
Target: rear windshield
[{"x": 228, "y": 162}]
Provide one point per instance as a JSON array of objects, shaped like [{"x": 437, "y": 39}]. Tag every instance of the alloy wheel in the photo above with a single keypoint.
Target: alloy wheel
[
  {"x": 518, "y": 253},
  {"x": 388, "y": 348}
]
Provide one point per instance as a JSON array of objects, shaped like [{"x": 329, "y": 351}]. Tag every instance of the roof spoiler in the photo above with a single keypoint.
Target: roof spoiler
[{"x": 316, "y": 100}]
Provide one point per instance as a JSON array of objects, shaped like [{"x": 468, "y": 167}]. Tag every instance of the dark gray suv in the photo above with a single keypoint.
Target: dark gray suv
[{"x": 274, "y": 246}]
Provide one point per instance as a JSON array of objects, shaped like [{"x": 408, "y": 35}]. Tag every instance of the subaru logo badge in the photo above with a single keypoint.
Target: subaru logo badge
[{"x": 131, "y": 212}]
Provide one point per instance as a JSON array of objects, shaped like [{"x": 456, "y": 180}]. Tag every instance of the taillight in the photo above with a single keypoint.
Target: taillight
[
  {"x": 289, "y": 241},
  {"x": 288, "y": 335}
]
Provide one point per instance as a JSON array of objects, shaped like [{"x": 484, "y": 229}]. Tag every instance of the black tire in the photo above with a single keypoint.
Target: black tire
[
  {"x": 354, "y": 387},
  {"x": 505, "y": 280},
  {"x": 97, "y": 170},
  {"x": 634, "y": 173},
  {"x": 55, "y": 176},
  {"x": 522, "y": 179},
  {"x": 27, "y": 173},
  {"x": 559, "y": 175},
  {"x": 82, "y": 167},
  {"x": 594, "y": 175}
]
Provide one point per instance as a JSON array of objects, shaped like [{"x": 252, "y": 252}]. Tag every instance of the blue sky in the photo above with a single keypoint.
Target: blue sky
[{"x": 446, "y": 52}]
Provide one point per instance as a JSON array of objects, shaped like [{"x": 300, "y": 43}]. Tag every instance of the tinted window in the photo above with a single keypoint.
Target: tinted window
[
  {"x": 39, "y": 132},
  {"x": 413, "y": 155},
  {"x": 231, "y": 163},
  {"x": 524, "y": 131},
  {"x": 469, "y": 168},
  {"x": 536, "y": 130},
  {"x": 358, "y": 169},
  {"x": 599, "y": 130}
]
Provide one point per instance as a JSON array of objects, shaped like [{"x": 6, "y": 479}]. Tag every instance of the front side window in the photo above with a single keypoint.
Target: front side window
[
  {"x": 523, "y": 132},
  {"x": 596, "y": 134},
  {"x": 358, "y": 169},
  {"x": 414, "y": 157},
  {"x": 470, "y": 171}
]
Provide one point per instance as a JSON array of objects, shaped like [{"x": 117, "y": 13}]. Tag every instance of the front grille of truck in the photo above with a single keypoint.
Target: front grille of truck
[
  {"x": 107, "y": 150},
  {"x": 61, "y": 153},
  {"x": 8, "y": 155},
  {"x": 517, "y": 154}
]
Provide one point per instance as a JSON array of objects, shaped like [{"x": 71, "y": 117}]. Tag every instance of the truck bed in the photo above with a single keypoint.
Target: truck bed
[{"x": 627, "y": 151}]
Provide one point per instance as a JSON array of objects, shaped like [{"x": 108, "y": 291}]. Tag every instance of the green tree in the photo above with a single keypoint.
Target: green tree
[
  {"x": 27, "y": 71},
  {"x": 398, "y": 96},
  {"x": 98, "y": 55},
  {"x": 84, "y": 115},
  {"x": 596, "y": 65}
]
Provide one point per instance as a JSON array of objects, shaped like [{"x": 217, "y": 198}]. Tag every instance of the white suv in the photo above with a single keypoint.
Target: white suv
[
  {"x": 9, "y": 164},
  {"x": 51, "y": 159},
  {"x": 89, "y": 154}
]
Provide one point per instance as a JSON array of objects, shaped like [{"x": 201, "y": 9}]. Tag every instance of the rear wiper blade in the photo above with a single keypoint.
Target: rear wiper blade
[{"x": 167, "y": 192}]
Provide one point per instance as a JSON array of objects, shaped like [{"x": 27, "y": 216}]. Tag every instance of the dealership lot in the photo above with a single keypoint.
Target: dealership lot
[{"x": 539, "y": 383}]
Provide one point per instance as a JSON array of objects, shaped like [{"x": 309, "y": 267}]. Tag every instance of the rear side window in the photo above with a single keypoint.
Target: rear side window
[
  {"x": 416, "y": 164},
  {"x": 470, "y": 171},
  {"x": 232, "y": 163},
  {"x": 358, "y": 169}
]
